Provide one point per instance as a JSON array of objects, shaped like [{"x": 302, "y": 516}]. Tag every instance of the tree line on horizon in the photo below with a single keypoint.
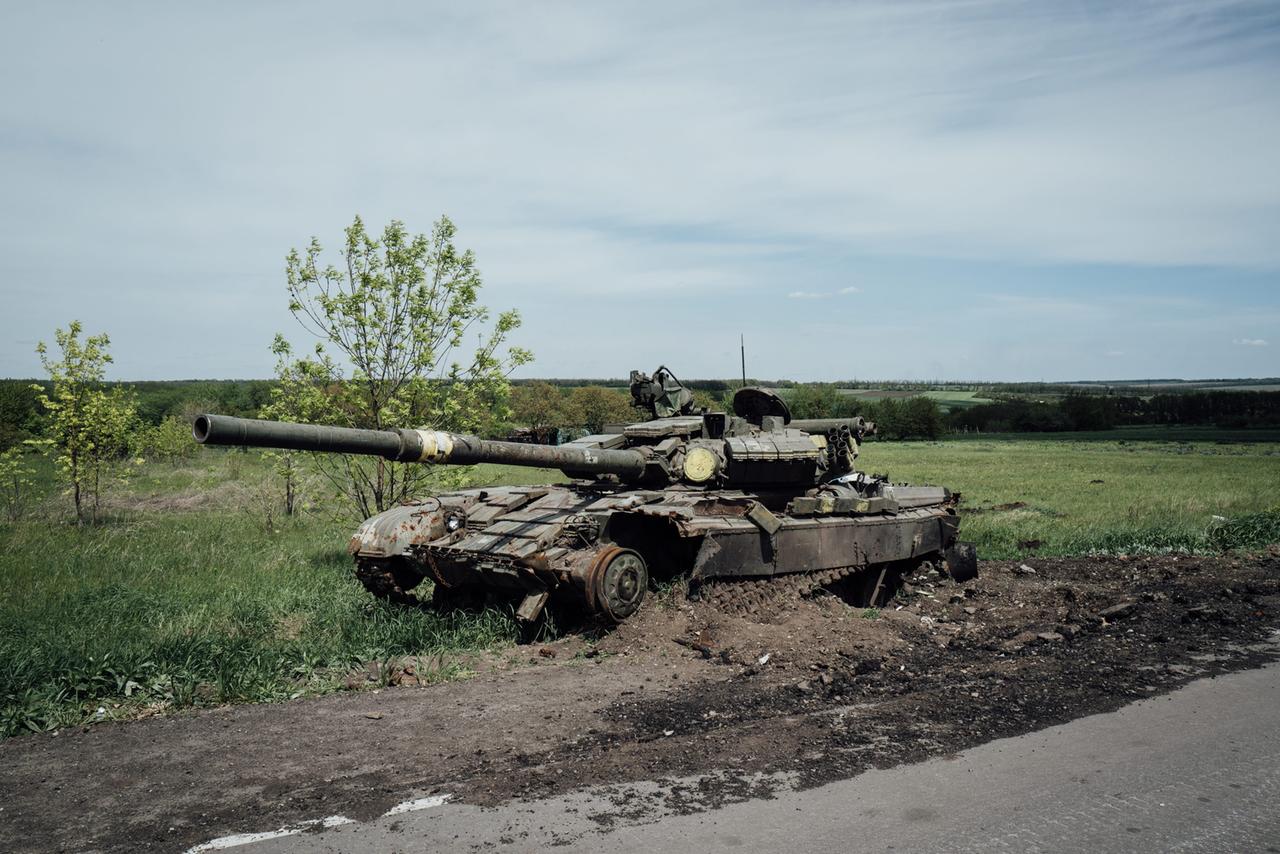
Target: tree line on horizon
[{"x": 546, "y": 405}]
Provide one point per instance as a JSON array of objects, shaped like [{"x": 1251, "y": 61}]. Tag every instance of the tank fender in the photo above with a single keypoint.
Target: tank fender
[{"x": 392, "y": 532}]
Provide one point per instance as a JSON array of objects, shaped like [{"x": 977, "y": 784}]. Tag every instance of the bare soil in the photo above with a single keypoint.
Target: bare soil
[{"x": 818, "y": 690}]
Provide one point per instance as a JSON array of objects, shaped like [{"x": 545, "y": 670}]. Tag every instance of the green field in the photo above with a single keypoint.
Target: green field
[
  {"x": 1088, "y": 497},
  {"x": 1155, "y": 433},
  {"x": 948, "y": 399},
  {"x": 181, "y": 597}
]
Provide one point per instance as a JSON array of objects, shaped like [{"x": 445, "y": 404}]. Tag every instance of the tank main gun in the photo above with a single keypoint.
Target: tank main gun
[{"x": 414, "y": 446}]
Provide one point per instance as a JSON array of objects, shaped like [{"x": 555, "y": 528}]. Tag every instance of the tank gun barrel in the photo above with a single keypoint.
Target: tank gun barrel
[{"x": 407, "y": 446}]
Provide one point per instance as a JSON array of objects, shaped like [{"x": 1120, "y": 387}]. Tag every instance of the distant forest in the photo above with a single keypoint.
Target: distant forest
[
  {"x": 1000, "y": 408},
  {"x": 1083, "y": 411}
]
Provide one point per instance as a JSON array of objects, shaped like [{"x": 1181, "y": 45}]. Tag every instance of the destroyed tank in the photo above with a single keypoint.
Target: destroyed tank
[{"x": 744, "y": 505}]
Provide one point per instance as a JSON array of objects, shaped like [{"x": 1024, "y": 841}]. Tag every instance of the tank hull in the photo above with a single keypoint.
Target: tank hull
[{"x": 532, "y": 543}]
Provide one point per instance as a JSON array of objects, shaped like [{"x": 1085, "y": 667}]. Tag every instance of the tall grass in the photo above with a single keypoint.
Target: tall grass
[
  {"x": 167, "y": 608},
  {"x": 1248, "y": 531}
]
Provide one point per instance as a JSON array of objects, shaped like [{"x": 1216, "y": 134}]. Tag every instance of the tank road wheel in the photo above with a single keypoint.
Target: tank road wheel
[
  {"x": 619, "y": 580},
  {"x": 389, "y": 578}
]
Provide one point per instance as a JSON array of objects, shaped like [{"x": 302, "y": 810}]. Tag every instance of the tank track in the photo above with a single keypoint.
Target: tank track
[
  {"x": 739, "y": 596},
  {"x": 753, "y": 596},
  {"x": 379, "y": 578}
]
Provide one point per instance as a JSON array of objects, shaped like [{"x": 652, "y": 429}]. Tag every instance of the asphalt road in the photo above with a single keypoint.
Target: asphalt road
[{"x": 1195, "y": 770}]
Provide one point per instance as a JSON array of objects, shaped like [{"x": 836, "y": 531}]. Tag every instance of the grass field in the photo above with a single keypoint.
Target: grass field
[
  {"x": 1153, "y": 433},
  {"x": 1085, "y": 497},
  {"x": 948, "y": 399},
  {"x": 181, "y": 597}
]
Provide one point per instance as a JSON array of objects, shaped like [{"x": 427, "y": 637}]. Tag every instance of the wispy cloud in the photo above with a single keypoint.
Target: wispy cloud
[
  {"x": 824, "y": 294},
  {"x": 1251, "y": 342}
]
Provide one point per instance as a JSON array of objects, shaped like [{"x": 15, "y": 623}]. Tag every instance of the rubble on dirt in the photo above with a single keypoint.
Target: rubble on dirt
[{"x": 937, "y": 674}]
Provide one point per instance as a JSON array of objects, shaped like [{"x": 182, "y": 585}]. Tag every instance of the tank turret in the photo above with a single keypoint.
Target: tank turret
[{"x": 757, "y": 445}]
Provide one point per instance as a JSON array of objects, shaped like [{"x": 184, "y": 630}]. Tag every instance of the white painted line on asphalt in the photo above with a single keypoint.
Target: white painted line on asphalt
[
  {"x": 418, "y": 804},
  {"x": 336, "y": 821},
  {"x": 237, "y": 839}
]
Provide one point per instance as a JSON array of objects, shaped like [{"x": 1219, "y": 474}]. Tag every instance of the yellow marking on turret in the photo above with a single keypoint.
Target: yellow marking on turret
[{"x": 700, "y": 465}]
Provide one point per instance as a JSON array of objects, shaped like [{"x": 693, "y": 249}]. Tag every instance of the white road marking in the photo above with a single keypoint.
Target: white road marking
[
  {"x": 418, "y": 804},
  {"x": 336, "y": 821},
  {"x": 238, "y": 839}
]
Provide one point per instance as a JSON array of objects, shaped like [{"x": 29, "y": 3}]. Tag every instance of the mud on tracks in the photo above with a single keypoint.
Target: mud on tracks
[{"x": 817, "y": 693}]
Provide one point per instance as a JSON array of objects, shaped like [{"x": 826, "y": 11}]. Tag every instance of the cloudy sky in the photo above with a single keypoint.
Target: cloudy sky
[{"x": 967, "y": 190}]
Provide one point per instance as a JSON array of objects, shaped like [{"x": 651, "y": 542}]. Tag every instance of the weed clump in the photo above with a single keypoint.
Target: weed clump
[{"x": 1250, "y": 531}]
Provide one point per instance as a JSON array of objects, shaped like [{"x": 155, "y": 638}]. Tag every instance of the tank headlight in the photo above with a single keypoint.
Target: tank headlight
[{"x": 454, "y": 521}]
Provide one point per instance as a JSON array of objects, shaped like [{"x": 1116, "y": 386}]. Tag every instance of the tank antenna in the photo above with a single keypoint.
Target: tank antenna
[{"x": 742, "y": 344}]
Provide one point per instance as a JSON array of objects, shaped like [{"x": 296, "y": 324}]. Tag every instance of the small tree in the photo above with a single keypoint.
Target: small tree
[
  {"x": 922, "y": 417},
  {"x": 887, "y": 415},
  {"x": 540, "y": 405},
  {"x": 17, "y": 484},
  {"x": 170, "y": 440},
  {"x": 294, "y": 397},
  {"x": 596, "y": 406},
  {"x": 392, "y": 321},
  {"x": 89, "y": 426},
  {"x": 813, "y": 400},
  {"x": 266, "y": 494}
]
